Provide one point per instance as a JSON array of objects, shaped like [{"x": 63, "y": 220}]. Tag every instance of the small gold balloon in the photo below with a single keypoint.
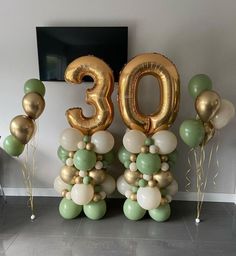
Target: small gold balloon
[
  {"x": 144, "y": 149},
  {"x": 63, "y": 193},
  {"x": 77, "y": 173},
  {"x": 89, "y": 146},
  {"x": 164, "y": 158},
  {"x": 163, "y": 201},
  {"x": 133, "y": 197},
  {"x": 152, "y": 183},
  {"x": 71, "y": 154},
  {"x": 133, "y": 158},
  {"x": 79, "y": 180},
  {"x": 98, "y": 176},
  {"x": 23, "y": 128},
  {"x": 67, "y": 174},
  {"x": 209, "y": 132},
  {"x": 33, "y": 104},
  {"x": 99, "y": 157},
  {"x": 97, "y": 197},
  {"x": 132, "y": 177},
  {"x": 163, "y": 178}
]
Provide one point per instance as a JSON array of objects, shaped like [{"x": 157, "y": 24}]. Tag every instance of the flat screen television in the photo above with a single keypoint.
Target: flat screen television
[{"x": 58, "y": 46}]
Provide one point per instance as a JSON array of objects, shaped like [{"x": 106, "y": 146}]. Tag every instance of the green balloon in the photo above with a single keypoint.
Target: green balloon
[
  {"x": 95, "y": 210},
  {"x": 62, "y": 154},
  {"x": 132, "y": 210},
  {"x": 172, "y": 158},
  {"x": 68, "y": 209},
  {"x": 123, "y": 155},
  {"x": 13, "y": 146},
  {"x": 161, "y": 213},
  {"x": 192, "y": 132},
  {"x": 198, "y": 84},
  {"x": 142, "y": 183},
  {"x": 109, "y": 157},
  {"x": 148, "y": 163},
  {"x": 84, "y": 159},
  {"x": 34, "y": 85}
]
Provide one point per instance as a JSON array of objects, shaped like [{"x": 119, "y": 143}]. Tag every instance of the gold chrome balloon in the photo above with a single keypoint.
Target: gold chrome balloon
[
  {"x": 98, "y": 176},
  {"x": 97, "y": 197},
  {"x": 163, "y": 178},
  {"x": 133, "y": 197},
  {"x": 209, "y": 132},
  {"x": 131, "y": 177},
  {"x": 207, "y": 104},
  {"x": 67, "y": 173},
  {"x": 99, "y": 96},
  {"x": 166, "y": 73},
  {"x": 33, "y": 104},
  {"x": 23, "y": 128}
]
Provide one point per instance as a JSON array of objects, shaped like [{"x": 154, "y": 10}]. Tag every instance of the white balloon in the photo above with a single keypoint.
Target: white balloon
[
  {"x": 122, "y": 185},
  {"x": 70, "y": 138},
  {"x": 60, "y": 185},
  {"x": 108, "y": 185},
  {"x": 149, "y": 197},
  {"x": 166, "y": 142},
  {"x": 133, "y": 140},
  {"x": 103, "y": 142},
  {"x": 172, "y": 189},
  {"x": 82, "y": 194},
  {"x": 224, "y": 114}
]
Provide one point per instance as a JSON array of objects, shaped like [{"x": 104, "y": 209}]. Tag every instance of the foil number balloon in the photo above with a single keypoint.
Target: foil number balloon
[
  {"x": 99, "y": 96},
  {"x": 165, "y": 72}
]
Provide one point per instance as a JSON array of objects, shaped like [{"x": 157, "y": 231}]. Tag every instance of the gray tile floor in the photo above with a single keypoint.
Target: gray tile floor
[{"x": 50, "y": 235}]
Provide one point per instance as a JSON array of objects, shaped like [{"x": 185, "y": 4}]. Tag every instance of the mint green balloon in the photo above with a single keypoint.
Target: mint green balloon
[
  {"x": 95, "y": 210},
  {"x": 192, "y": 132},
  {"x": 132, "y": 210},
  {"x": 62, "y": 154},
  {"x": 34, "y": 85},
  {"x": 172, "y": 158},
  {"x": 198, "y": 84},
  {"x": 148, "y": 163},
  {"x": 109, "y": 157},
  {"x": 161, "y": 213},
  {"x": 123, "y": 155},
  {"x": 84, "y": 159},
  {"x": 13, "y": 146},
  {"x": 68, "y": 209}
]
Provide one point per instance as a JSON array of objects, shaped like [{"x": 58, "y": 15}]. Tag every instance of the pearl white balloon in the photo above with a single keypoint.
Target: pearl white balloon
[
  {"x": 103, "y": 142},
  {"x": 70, "y": 138},
  {"x": 166, "y": 142},
  {"x": 108, "y": 185},
  {"x": 82, "y": 194},
  {"x": 60, "y": 185},
  {"x": 122, "y": 185},
  {"x": 224, "y": 115},
  {"x": 172, "y": 189},
  {"x": 133, "y": 140},
  {"x": 149, "y": 197}
]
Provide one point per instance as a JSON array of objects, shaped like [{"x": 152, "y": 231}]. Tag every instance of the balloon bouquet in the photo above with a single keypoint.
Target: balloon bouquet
[
  {"x": 86, "y": 148},
  {"x": 213, "y": 113},
  {"x": 23, "y": 128},
  {"x": 148, "y": 152}
]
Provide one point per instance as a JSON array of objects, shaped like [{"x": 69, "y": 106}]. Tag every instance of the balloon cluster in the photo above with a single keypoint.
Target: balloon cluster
[
  {"x": 213, "y": 113},
  {"x": 23, "y": 127},
  {"x": 83, "y": 182},
  {"x": 148, "y": 182}
]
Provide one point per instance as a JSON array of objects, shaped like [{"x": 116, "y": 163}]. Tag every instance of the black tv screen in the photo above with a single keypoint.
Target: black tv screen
[{"x": 58, "y": 46}]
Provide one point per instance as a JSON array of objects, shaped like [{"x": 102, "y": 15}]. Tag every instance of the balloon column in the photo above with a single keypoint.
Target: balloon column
[
  {"x": 149, "y": 148},
  {"x": 86, "y": 148},
  {"x": 213, "y": 113},
  {"x": 23, "y": 128}
]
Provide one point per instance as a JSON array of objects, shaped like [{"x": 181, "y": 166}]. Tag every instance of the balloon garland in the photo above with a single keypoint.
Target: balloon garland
[
  {"x": 213, "y": 113},
  {"x": 149, "y": 149},
  {"x": 23, "y": 128},
  {"x": 86, "y": 148}
]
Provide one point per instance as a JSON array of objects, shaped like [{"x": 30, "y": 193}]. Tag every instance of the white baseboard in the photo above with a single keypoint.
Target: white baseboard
[{"x": 182, "y": 196}]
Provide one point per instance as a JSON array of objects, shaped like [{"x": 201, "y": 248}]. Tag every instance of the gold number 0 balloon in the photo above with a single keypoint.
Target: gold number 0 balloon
[
  {"x": 99, "y": 96},
  {"x": 166, "y": 73}
]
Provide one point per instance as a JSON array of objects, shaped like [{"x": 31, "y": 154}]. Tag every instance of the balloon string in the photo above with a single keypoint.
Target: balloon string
[
  {"x": 187, "y": 175},
  {"x": 218, "y": 169},
  {"x": 198, "y": 180}
]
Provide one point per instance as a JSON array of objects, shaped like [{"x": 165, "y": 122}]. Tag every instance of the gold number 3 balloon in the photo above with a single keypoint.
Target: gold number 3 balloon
[
  {"x": 166, "y": 73},
  {"x": 99, "y": 96}
]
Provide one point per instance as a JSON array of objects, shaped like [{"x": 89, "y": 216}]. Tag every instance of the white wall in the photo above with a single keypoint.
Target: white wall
[{"x": 198, "y": 36}]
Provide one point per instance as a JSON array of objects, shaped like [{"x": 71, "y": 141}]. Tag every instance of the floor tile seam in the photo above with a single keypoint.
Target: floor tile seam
[
  {"x": 16, "y": 236},
  {"x": 188, "y": 230}
]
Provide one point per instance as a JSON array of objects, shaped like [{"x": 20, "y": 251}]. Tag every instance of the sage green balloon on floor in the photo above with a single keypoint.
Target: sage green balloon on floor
[
  {"x": 13, "y": 146},
  {"x": 68, "y": 209},
  {"x": 192, "y": 132},
  {"x": 198, "y": 84},
  {"x": 132, "y": 210},
  {"x": 95, "y": 210},
  {"x": 34, "y": 85},
  {"x": 160, "y": 214},
  {"x": 62, "y": 154}
]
